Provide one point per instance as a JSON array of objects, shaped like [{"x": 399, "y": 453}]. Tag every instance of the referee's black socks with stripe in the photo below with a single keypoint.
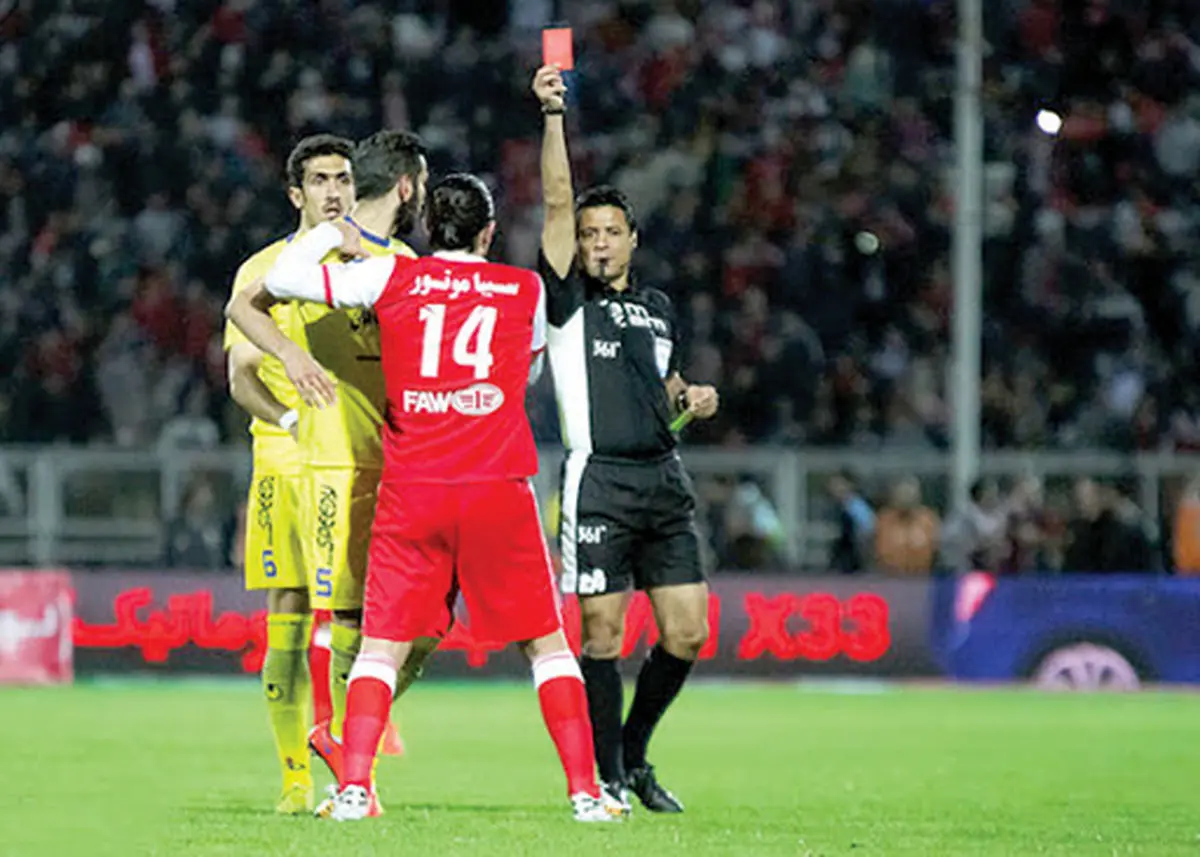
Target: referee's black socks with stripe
[
  {"x": 658, "y": 683},
  {"x": 606, "y": 703}
]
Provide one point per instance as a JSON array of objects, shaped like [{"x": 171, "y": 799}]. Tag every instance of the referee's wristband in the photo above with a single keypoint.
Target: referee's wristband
[
  {"x": 554, "y": 111},
  {"x": 289, "y": 419}
]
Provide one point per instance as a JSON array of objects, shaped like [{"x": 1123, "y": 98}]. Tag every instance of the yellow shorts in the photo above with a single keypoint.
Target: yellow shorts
[
  {"x": 275, "y": 532},
  {"x": 340, "y": 507}
]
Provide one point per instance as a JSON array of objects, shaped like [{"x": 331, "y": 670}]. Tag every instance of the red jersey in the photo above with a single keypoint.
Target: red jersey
[{"x": 458, "y": 334}]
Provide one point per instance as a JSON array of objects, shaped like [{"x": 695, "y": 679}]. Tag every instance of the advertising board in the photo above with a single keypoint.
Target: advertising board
[{"x": 761, "y": 626}]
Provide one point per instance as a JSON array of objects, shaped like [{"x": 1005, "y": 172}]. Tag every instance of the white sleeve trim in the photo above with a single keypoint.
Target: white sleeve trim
[
  {"x": 539, "y": 318},
  {"x": 535, "y": 368},
  {"x": 538, "y": 344}
]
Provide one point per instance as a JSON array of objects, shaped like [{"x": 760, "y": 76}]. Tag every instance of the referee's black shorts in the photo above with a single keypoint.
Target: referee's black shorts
[{"x": 627, "y": 523}]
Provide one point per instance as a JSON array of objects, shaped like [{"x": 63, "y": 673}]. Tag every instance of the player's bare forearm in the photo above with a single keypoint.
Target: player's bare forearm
[
  {"x": 558, "y": 197},
  {"x": 248, "y": 389},
  {"x": 253, "y": 396}
]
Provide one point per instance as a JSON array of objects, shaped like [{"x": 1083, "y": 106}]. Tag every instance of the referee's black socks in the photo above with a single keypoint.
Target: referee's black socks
[
  {"x": 658, "y": 683},
  {"x": 606, "y": 703}
]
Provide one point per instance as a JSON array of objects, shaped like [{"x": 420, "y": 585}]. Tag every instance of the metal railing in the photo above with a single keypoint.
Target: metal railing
[{"x": 76, "y": 505}]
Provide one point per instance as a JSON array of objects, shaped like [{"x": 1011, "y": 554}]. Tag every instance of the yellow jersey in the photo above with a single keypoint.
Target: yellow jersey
[
  {"x": 346, "y": 342},
  {"x": 273, "y": 447}
]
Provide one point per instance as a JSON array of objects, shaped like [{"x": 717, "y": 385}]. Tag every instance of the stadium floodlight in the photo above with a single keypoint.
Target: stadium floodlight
[
  {"x": 866, "y": 243},
  {"x": 1049, "y": 122}
]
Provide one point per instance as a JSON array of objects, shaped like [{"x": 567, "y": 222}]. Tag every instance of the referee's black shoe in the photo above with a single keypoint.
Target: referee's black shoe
[{"x": 650, "y": 792}]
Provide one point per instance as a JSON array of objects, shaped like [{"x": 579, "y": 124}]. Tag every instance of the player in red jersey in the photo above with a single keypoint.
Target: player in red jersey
[{"x": 461, "y": 339}]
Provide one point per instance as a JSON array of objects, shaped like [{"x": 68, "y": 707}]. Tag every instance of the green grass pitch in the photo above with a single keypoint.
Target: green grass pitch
[{"x": 186, "y": 769}]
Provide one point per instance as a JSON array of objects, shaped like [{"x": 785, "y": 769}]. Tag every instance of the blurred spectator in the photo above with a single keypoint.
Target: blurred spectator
[
  {"x": 1186, "y": 531},
  {"x": 754, "y": 533},
  {"x": 12, "y": 496},
  {"x": 856, "y": 525},
  {"x": 974, "y": 538},
  {"x": 199, "y": 537},
  {"x": 1108, "y": 535},
  {"x": 193, "y": 427},
  {"x": 1028, "y": 528},
  {"x": 906, "y": 534},
  {"x": 237, "y": 542}
]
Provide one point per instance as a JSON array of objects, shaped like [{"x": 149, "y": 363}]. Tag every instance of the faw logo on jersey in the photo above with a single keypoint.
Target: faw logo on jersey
[{"x": 478, "y": 400}]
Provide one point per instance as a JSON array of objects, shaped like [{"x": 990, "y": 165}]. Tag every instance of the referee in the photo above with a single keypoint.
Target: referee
[{"x": 628, "y": 511}]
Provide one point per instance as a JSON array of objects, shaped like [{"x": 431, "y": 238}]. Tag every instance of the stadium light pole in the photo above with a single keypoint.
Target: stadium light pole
[{"x": 967, "y": 263}]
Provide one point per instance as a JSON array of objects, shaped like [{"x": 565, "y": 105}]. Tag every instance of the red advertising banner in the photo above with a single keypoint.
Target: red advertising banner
[
  {"x": 35, "y": 627},
  {"x": 761, "y": 626}
]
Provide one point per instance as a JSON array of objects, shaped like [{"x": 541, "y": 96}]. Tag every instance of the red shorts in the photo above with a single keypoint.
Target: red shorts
[{"x": 484, "y": 539}]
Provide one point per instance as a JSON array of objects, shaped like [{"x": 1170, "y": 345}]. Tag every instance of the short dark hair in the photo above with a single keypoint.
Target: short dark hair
[
  {"x": 316, "y": 146},
  {"x": 604, "y": 195},
  {"x": 381, "y": 159},
  {"x": 458, "y": 208}
]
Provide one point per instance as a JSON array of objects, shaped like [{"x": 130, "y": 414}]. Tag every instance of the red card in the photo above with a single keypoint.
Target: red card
[{"x": 557, "y": 48}]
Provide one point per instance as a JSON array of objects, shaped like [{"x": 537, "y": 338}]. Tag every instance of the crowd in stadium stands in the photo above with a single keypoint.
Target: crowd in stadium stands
[
  {"x": 1095, "y": 528},
  {"x": 790, "y": 162}
]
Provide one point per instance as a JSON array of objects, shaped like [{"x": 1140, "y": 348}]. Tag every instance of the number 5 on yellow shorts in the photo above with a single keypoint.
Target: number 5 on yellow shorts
[{"x": 341, "y": 508}]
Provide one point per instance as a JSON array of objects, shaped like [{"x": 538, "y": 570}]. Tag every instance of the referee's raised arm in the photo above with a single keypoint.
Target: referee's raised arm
[{"x": 558, "y": 198}]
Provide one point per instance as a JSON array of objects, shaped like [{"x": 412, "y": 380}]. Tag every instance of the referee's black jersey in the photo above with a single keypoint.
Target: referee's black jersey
[{"x": 610, "y": 352}]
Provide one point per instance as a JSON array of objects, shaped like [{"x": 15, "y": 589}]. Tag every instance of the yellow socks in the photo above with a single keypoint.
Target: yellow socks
[
  {"x": 414, "y": 664},
  {"x": 286, "y": 688},
  {"x": 344, "y": 645}
]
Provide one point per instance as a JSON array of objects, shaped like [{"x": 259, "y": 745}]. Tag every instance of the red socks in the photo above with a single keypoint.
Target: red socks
[
  {"x": 368, "y": 706},
  {"x": 564, "y": 708},
  {"x": 318, "y": 667},
  {"x": 560, "y": 692}
]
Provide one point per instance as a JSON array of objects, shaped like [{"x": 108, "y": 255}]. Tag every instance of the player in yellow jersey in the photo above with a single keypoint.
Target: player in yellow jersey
[
  {"x": 341, "y": 445},
  {"x": 321, "y": 187}
]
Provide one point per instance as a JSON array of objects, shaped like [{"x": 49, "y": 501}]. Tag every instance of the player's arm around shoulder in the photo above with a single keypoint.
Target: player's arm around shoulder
[{"x": 558, "y": 199}]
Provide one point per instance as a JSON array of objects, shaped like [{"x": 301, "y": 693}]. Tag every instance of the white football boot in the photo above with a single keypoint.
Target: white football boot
[
  {"x": 353, "y": 803},
  {"x": 595, "y": 809}
]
